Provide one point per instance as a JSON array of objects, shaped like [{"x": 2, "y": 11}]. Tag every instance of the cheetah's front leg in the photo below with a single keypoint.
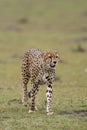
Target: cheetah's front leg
[{"x": 49, "y": 98}]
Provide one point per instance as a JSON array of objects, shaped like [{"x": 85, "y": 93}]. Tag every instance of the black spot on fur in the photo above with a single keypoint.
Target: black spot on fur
[{"x": 29, "y": 94}]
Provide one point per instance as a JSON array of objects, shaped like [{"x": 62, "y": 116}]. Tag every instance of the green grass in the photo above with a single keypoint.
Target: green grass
[{"x": 46, "y": 25}]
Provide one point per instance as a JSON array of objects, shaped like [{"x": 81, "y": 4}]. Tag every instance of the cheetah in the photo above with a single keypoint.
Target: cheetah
[{"x": 39, "y": 67}]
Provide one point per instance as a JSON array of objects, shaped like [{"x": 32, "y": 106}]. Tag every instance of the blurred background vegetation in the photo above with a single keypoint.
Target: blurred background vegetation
[{"x": 46, "y": 25}]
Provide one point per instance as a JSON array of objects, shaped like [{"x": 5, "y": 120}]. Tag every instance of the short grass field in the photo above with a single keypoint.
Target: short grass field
[{"x": 46, "y": 25}]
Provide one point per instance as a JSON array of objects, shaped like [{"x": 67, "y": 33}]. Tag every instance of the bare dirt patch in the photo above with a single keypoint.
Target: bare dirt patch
[
  {"x": 80, "y": 39},
  {"x": 84, "y": 14}
]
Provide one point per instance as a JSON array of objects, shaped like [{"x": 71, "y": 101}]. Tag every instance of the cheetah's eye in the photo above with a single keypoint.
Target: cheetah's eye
[
  {"x": 50, "y": 57},
  {"x": 56, "y": 56}
]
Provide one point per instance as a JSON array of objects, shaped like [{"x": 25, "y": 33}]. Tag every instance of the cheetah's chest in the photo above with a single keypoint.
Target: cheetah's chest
[{"x": 42, "y": 78}]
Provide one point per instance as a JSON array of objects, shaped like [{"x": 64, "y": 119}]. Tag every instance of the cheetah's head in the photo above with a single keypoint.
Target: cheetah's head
[{"x": 51, "y": 59}]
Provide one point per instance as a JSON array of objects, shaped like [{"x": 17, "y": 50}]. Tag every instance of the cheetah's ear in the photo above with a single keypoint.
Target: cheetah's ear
[
  {"x": 45, "y": 54},
  {"x": 57, "y": 54}
]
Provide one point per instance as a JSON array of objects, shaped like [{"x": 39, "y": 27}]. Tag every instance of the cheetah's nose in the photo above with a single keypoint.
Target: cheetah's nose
[{"x": 54, "y": 62}]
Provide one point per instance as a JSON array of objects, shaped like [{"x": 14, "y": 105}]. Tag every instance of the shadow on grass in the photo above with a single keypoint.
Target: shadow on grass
[
  {"x": 14, "y": 101},
  {"x": 74, "y": 112},
  {"x": 82, "y": 113}
]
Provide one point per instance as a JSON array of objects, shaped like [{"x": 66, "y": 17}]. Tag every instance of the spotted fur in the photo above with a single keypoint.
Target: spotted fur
[{"x": 39, "y": 67}]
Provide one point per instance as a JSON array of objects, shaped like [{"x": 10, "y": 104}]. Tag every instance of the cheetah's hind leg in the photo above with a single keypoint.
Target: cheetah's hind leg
[
  {"x": 25, "y": 92},
  {"x": 33, "y": 95},
  {"x": 30, "y": 96},
  {"x": 25, "y": 98}
]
